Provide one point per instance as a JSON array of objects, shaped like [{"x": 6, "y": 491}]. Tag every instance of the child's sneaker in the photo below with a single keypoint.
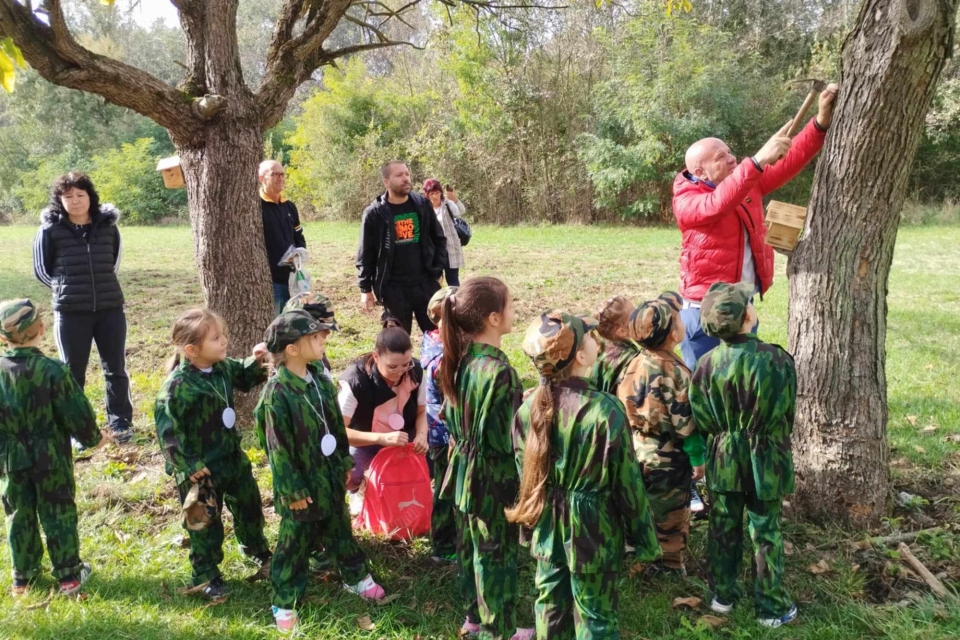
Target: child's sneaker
[
  {"x": 20, "y": 587},
  {"x": 70, "y": 585},
  {"x": 787, "y": 618},
  {"x": 286, "y": 620},
  {"x": 524, "y": 634},
  {"x": 696, "y": 504},
  {"x": 449, "y": 558},
  {"x": 356, "y": 500},
  {"x": 216, "y": 588},
  {"x": 366, "y": 589},
  {"x": 469, "y": 629},
  {"x": 719, "y": 605},
  {"x": 122, "y": 435}
]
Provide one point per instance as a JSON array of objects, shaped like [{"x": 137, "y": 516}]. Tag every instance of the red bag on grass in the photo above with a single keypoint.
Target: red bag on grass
[{"x": 399, "y": 497}]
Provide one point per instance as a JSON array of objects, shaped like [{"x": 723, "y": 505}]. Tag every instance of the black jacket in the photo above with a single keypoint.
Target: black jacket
[
  {"x": 378, "y": 239},
  {"x": 81, "y": 273},
  {"x": 281, "y": 228},
  {"x": 371, "y": 391}
]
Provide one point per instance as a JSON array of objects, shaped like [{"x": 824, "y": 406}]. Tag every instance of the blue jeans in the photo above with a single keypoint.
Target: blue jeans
[
  {"x": 362, "y": 457},
  {"x": 697, "y": 343},
  {"x": 281, "y": 295}
]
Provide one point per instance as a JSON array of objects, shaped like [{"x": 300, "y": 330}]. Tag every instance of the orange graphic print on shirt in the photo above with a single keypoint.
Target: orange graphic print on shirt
[{"x": 407, "y": 227}]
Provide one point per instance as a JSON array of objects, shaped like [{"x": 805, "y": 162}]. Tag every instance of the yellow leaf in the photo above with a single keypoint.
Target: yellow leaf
[
  {"x": 6, "y": 72},
  {"x": 109, "y": 3},
  {"x": 687, "y": 6}
]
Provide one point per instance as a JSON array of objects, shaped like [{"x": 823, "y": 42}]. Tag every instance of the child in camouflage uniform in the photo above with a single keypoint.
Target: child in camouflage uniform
[
  {"x": 482, "y": 393},
  {"x": 618, "y": 350},
  {"x": 654, "y": 391},
  {"x": 743, "y": 395},
  {"x": 573, "y": 445},
  {"x": 195, "y": 422},
  {"x": 300, "y": 426},
  {"x": 41, "y": 407},
  {"x": 443, "y": 526}
]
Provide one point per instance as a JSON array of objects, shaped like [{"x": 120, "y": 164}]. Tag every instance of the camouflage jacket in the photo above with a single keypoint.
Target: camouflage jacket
[
  {"x": 188, "y": 413},
  {"x": 482, "y": 469},
  {"x": 611, "y": 363},
  {"x": 743, "y": 395},
  {"x": 290, "y": 430},
  {"x": 41, "y": 407},
  {"x": 654, "y": 390},
  {"x": 594, "y": 494}
]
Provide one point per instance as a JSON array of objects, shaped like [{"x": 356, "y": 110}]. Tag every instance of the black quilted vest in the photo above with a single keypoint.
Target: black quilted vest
[{"x": 83, "y": 277}]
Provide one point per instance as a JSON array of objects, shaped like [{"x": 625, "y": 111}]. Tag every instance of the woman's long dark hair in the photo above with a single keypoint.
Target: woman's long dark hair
[
  {"x": 464, "y": 315},
  {"x": 392, "y": 339},
  {"x": 74, "y": 179}
]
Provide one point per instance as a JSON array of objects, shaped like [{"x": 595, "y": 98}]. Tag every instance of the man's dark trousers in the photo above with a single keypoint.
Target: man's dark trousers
[{"x": 403, "y": 301}]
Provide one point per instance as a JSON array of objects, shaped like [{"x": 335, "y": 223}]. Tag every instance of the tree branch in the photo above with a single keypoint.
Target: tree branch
[{"x": 53, "y": 52}]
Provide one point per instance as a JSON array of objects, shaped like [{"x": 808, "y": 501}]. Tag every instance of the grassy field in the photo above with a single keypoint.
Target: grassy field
[{"x": 130, "y": 525}]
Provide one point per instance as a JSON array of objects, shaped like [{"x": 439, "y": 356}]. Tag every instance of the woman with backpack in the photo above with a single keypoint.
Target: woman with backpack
[{"x": 447, "y": 211}]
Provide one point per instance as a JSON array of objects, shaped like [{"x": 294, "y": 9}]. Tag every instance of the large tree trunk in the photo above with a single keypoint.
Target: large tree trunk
[{"x": 838, "y": 275}]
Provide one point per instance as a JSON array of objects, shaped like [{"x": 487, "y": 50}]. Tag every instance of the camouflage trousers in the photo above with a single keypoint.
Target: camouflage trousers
[
  {"x": 236, "y": 488},
  {"x": 575, "y": 606},
  {"x": 443, "y": 524},
  {"x": 487, "y": 563},
  {"x": 725, "y": 550},
  {"x": 298, "y": 540},
  {"x": 669, "y": 493},
  {"x": 47, "y": 496}
]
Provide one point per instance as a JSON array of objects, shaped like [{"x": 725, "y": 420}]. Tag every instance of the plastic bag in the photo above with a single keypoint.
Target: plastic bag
[
  {"x": 299, "y": 282},
  {"x": 399, "y": 497}
]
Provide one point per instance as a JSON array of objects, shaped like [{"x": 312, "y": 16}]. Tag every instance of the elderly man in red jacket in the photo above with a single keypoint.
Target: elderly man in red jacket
[{"x": 719, "y": 209}]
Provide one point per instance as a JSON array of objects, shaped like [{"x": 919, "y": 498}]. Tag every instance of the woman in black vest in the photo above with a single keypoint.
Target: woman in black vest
[
  {"x": 77, "y": 254},
  {"x": 384, "y": 403}
]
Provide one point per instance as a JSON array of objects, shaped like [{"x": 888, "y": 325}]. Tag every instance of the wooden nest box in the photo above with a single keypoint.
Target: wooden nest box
[
  {"x": 784, "y": 224},
  {"x": 171, "y": 171}
]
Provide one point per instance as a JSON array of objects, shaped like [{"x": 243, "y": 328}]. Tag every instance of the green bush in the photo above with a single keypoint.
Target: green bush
[{"x": 127, "y": 178}]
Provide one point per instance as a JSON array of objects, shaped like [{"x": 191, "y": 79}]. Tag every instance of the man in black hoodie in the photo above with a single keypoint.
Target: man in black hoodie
[
  {"x": 281, "y": 228},
  {"x": 402, "y": 251}
]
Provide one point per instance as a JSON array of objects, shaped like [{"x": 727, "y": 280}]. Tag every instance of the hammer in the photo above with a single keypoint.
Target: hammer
[{"x": 816, "y": 88}]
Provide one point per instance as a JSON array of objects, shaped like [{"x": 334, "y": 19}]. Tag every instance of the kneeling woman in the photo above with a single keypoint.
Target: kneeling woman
[
  {"x": 384, "y": 403},
  {"x": 576, "y": 451}
]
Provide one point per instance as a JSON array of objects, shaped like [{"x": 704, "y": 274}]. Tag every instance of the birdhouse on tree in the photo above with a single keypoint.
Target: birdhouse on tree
[
  {"x": 784, "y": 224},
  {"x": 171, "y": 171}
]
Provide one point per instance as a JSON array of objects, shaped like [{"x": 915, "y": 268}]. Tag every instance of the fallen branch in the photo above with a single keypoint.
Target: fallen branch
[
  {"x": 932, "y": 581},
  {"x": 883, "y": 540}
]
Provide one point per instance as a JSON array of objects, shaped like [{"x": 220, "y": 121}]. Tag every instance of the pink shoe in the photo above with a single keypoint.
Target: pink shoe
[
  {"x": 469, "y": 629},
  {"x": 525, "y": 634},
  {"x": 286, "y": 620},
  {"x": 366, "y": 589}
]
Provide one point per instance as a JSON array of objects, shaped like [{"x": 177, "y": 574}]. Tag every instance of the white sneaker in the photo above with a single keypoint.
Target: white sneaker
[
  {"x": 286, "y": 620},
  {"x": 787, "y": 618},
  {"x": 367, "y": 589},
  {"x": 696, "y": 504},
  {"x": 718, "y": 605},
  {"x": 356, "y": 500}
]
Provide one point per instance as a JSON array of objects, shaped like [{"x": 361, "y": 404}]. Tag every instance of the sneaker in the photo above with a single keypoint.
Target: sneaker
[
  {"x": 286, "y": 620},
  {"x": 696, "y": 504},
  {"x": 658, "y": 568},
  {"x": 469, "y": 629},
  {"x": 72, "y": 584},
  {"x": 356, "y": 500},
  {"x": 719, "y": 605},
  {"x": 320, "y": 561},
  {"x": 216, "y": 588},
  {"x": 787, "y": 618},
  {"x": 449, "y": 558},
  {"x": 366, "y": 589},
  {"x": 20, "y": 587},
  {"x": 524, "y": 634},
  {"x": 122, "y": 435}
]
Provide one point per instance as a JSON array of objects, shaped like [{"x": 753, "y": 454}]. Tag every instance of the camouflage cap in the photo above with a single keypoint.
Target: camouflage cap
[
  {"x": 317, "y": 305},
  {"x": 19, "y": 321},
  {"x": 650, "y": 323},
  {"x": 724, "y": 308},
  {"x": 200, "y": 507},
  {"x": 289, "y": 327},
  {"x": 674, "y": 299},
  {"x": 435, "y": 306},
  {"x": 553, "y": 340}
]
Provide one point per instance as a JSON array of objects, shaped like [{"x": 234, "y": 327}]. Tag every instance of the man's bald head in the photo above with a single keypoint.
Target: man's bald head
[{"x": 710, "y": 159}]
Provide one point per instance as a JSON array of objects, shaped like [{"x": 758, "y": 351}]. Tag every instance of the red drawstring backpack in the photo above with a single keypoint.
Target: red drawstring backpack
[{"x": 399, "y": 497}]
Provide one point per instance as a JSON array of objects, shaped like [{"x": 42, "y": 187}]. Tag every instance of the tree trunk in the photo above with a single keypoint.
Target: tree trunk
[
  {"x": 220, "y": 170},
  {"x": 838, "y": 276}
]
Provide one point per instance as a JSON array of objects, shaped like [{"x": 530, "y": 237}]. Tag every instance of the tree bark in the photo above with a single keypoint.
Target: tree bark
[{"x": 838, "y": 276}]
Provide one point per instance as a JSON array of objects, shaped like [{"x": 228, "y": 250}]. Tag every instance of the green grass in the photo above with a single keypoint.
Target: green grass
[{"x": 130, "y": 526}]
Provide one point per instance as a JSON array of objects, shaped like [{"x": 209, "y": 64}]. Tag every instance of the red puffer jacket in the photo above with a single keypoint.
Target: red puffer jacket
[{"x": 712, "y": 219}]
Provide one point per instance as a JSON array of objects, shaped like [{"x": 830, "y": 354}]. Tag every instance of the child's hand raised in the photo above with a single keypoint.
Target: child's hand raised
[
  {"x": 260, "y": 352},
  {"x": 300, "y": 505}
]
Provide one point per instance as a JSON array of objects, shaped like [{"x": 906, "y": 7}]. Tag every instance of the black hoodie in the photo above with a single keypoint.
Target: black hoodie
[{"x": 81, "y": 271}]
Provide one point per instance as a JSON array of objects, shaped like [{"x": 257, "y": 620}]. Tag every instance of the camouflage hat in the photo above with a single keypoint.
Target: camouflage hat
[
  {"x": 19, "y": 321},
  {"x": 317, "y": 305},
  {"x": 650, "y": 323},
  {"x": 553, "y": 340},
  {"x": 674, "y": 299},
  {"x": 200, "y": 507},
  {"x": 435, "y": 306},
  {"x": 289, "y": 327},
  {"x": 724, "y": 308}
]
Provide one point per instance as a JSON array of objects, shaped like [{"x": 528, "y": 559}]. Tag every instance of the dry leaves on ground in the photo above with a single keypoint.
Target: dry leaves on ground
[
  {"x": 191, "y": 591},
  {"x": 691, "y": 602},
  {"x": 365, "y": 623},
  {"x": 712, "y": 621},
  {"x": 928, "y": 430},
  {"x": 819, "y": 568},
  {"x": 919, "y": 449},
  {"x": 388, "y": 599},
  {"x": 912, "y": 420}
]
